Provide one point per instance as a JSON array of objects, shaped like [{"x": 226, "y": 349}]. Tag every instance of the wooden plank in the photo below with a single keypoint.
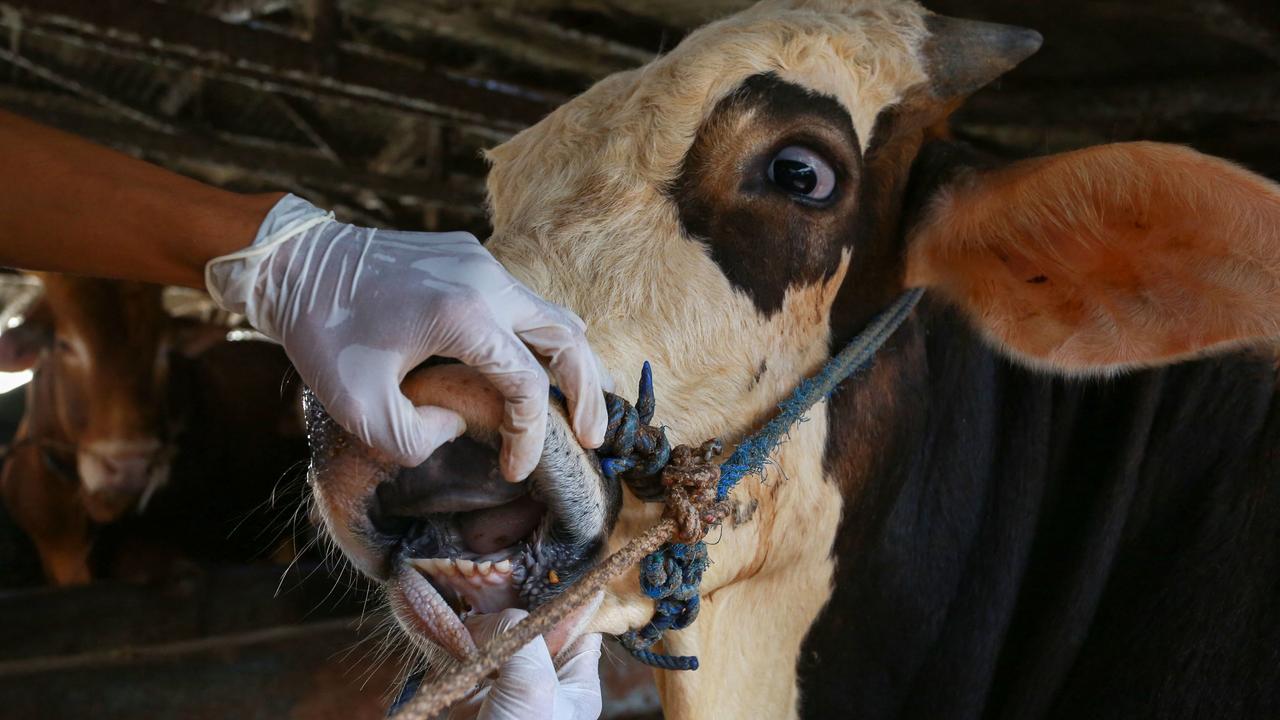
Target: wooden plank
[
  {"x": 302, "y": 673},
  {"x": 68, "y": 621}
]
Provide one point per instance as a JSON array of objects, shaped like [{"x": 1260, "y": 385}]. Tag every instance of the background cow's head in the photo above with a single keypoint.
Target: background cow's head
[
  {"x": 100, "y": 401},
  {"x": 735, "y": 208}
]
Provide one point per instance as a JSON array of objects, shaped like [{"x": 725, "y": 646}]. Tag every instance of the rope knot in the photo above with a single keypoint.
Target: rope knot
[{"x": 691, "y": 478}]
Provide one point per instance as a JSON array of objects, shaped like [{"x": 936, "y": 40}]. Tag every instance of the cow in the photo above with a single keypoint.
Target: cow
[
  {"x": 1056, "y": 493},
  {"x": 146, "y": 439}
]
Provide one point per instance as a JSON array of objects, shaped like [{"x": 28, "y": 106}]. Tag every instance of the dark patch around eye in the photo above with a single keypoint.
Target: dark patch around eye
[{"x": 761, "y": 239}]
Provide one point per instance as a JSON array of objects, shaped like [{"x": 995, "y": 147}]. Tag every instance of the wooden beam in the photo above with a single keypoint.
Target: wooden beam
[
  {"x": 44, "y": 622},
  {"x": 1156, "y": 106},
  {"x": 1228, "y": 20},
  {"x": 273, "y": 61},
  {"x": 515, "y": 36},
  {"x": 272, "y": 164},
  {"x": 673, "y": 13},
  {"x": 319, "y": 670},
  {"x": 181, "y": 92}
]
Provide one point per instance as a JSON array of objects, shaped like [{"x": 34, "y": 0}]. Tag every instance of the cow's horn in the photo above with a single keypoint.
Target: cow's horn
[{"x": 965, "y": 55}]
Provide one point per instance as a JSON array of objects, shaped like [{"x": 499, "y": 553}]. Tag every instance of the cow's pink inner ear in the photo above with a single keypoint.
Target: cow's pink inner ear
[{"x": 1113, "y": 256}]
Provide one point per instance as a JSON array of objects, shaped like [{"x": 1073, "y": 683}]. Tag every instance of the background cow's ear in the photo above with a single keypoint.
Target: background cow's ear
[
  {"x": 21, "y": 345},
  {"x": 1113, "y": 256}
]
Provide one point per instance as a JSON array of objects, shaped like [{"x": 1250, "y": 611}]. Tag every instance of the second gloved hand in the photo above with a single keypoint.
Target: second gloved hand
[
  {"x": 356, "y": 309},
  {"x": 529, "y": 686}
]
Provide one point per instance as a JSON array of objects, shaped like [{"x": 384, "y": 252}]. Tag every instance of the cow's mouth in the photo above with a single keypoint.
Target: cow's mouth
[
  {"x": 471, "y": 542},
  {"x": 450, "y": 536}
]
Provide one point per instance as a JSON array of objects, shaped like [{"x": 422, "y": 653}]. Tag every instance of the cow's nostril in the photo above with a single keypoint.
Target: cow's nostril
[
  {"x": 117, "y": 466},
  {"x": 128, "y": 466},
  {"x": 461, "y": 476}
]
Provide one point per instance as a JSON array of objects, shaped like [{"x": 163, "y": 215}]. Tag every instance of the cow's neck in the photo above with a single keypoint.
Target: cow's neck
[
  {"x": 768, "y": 588},
  {"x": 999, "y": 525},
  {"x": 773, "y": 572}
]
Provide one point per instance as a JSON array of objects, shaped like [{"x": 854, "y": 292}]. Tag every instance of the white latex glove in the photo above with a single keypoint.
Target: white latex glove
[
  {"x": 528, "y": 686},
  {"x": 356, "y": 309}
]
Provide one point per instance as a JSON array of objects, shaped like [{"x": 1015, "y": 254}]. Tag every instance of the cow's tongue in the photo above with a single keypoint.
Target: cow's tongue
[{"x": 430, "y": 615}]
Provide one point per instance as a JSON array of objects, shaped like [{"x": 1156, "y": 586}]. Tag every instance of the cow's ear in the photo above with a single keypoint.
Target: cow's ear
[
  {"x": 1119, "y": 255},
  {"x": 21, "y": 345}
]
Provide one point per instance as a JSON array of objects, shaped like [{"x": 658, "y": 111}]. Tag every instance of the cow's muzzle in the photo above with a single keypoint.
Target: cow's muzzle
[
  {"x": 121, "y": 475},
  {"x": 450, "y": 536}
]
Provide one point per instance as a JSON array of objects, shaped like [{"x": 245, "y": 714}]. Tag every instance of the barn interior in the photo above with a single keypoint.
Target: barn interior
[{"x": 381, "y": 110}]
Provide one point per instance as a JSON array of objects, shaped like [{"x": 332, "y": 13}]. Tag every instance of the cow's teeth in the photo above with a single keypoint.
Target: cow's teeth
[
  {"x": 503, "y": 566},
  {"x": 484, "y": 567},
  {"x": 466, "y": 567},
  {"x": 433, "y": 566}
]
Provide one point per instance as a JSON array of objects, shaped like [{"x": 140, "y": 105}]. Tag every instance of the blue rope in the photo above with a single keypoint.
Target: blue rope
[
  {"x": 411, "y": 685},
  {"x": 672, "y": 574}
]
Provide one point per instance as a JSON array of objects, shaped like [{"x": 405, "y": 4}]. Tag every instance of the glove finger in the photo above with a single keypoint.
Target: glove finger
[
  {"x": 409, "y": 434},
  {"x": 526, "y": 683},
  {"x": 525, "y": 688},
  {"x": 524, "y": 421},
  {"x": 579, "y": 677},
  {"x": 515, "y": 373},
  {"x": 364, "y": 397},
  {"x": 574, "y": 366}
]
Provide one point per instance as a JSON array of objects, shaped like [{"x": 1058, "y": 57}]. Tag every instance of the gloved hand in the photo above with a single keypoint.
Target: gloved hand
[
  {"x": 528, "y": 686},
  {"x": 356, "y": 309}
]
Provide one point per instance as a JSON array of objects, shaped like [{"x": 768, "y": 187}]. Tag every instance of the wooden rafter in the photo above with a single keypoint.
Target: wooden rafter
[
  {"x": 273, "y": 61},
  {"x": 238, "y": 156}
]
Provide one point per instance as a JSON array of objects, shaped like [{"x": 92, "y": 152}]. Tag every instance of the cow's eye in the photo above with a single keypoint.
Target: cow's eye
[{"x": 801, "y": 172}]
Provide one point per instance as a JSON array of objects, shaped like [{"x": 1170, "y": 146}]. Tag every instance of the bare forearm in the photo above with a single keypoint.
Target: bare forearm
[{"x": 68, "y": 205}]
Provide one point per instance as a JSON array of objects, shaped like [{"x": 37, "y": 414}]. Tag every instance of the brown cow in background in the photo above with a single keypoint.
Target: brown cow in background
[{"x": 144, "y": 437}]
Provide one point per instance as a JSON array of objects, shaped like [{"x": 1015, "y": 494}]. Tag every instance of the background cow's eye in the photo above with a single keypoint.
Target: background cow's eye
[{"x": 801, "y": 172}]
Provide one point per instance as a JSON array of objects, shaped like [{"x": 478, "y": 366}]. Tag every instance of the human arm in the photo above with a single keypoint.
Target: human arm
[
  {"x": 68, "y": 205},
  {"x": 372, "y": 306}
]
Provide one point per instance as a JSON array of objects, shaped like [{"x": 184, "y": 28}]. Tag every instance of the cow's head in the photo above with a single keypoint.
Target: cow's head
[
  {"x": 102, "y": 353},
  {"x": 730, "y": 211}
]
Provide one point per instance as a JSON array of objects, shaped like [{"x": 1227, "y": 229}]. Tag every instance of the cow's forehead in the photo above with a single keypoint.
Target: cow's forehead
[
  {"x": 865, "y": 54},
  {"x": 634, "y": 128}
]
